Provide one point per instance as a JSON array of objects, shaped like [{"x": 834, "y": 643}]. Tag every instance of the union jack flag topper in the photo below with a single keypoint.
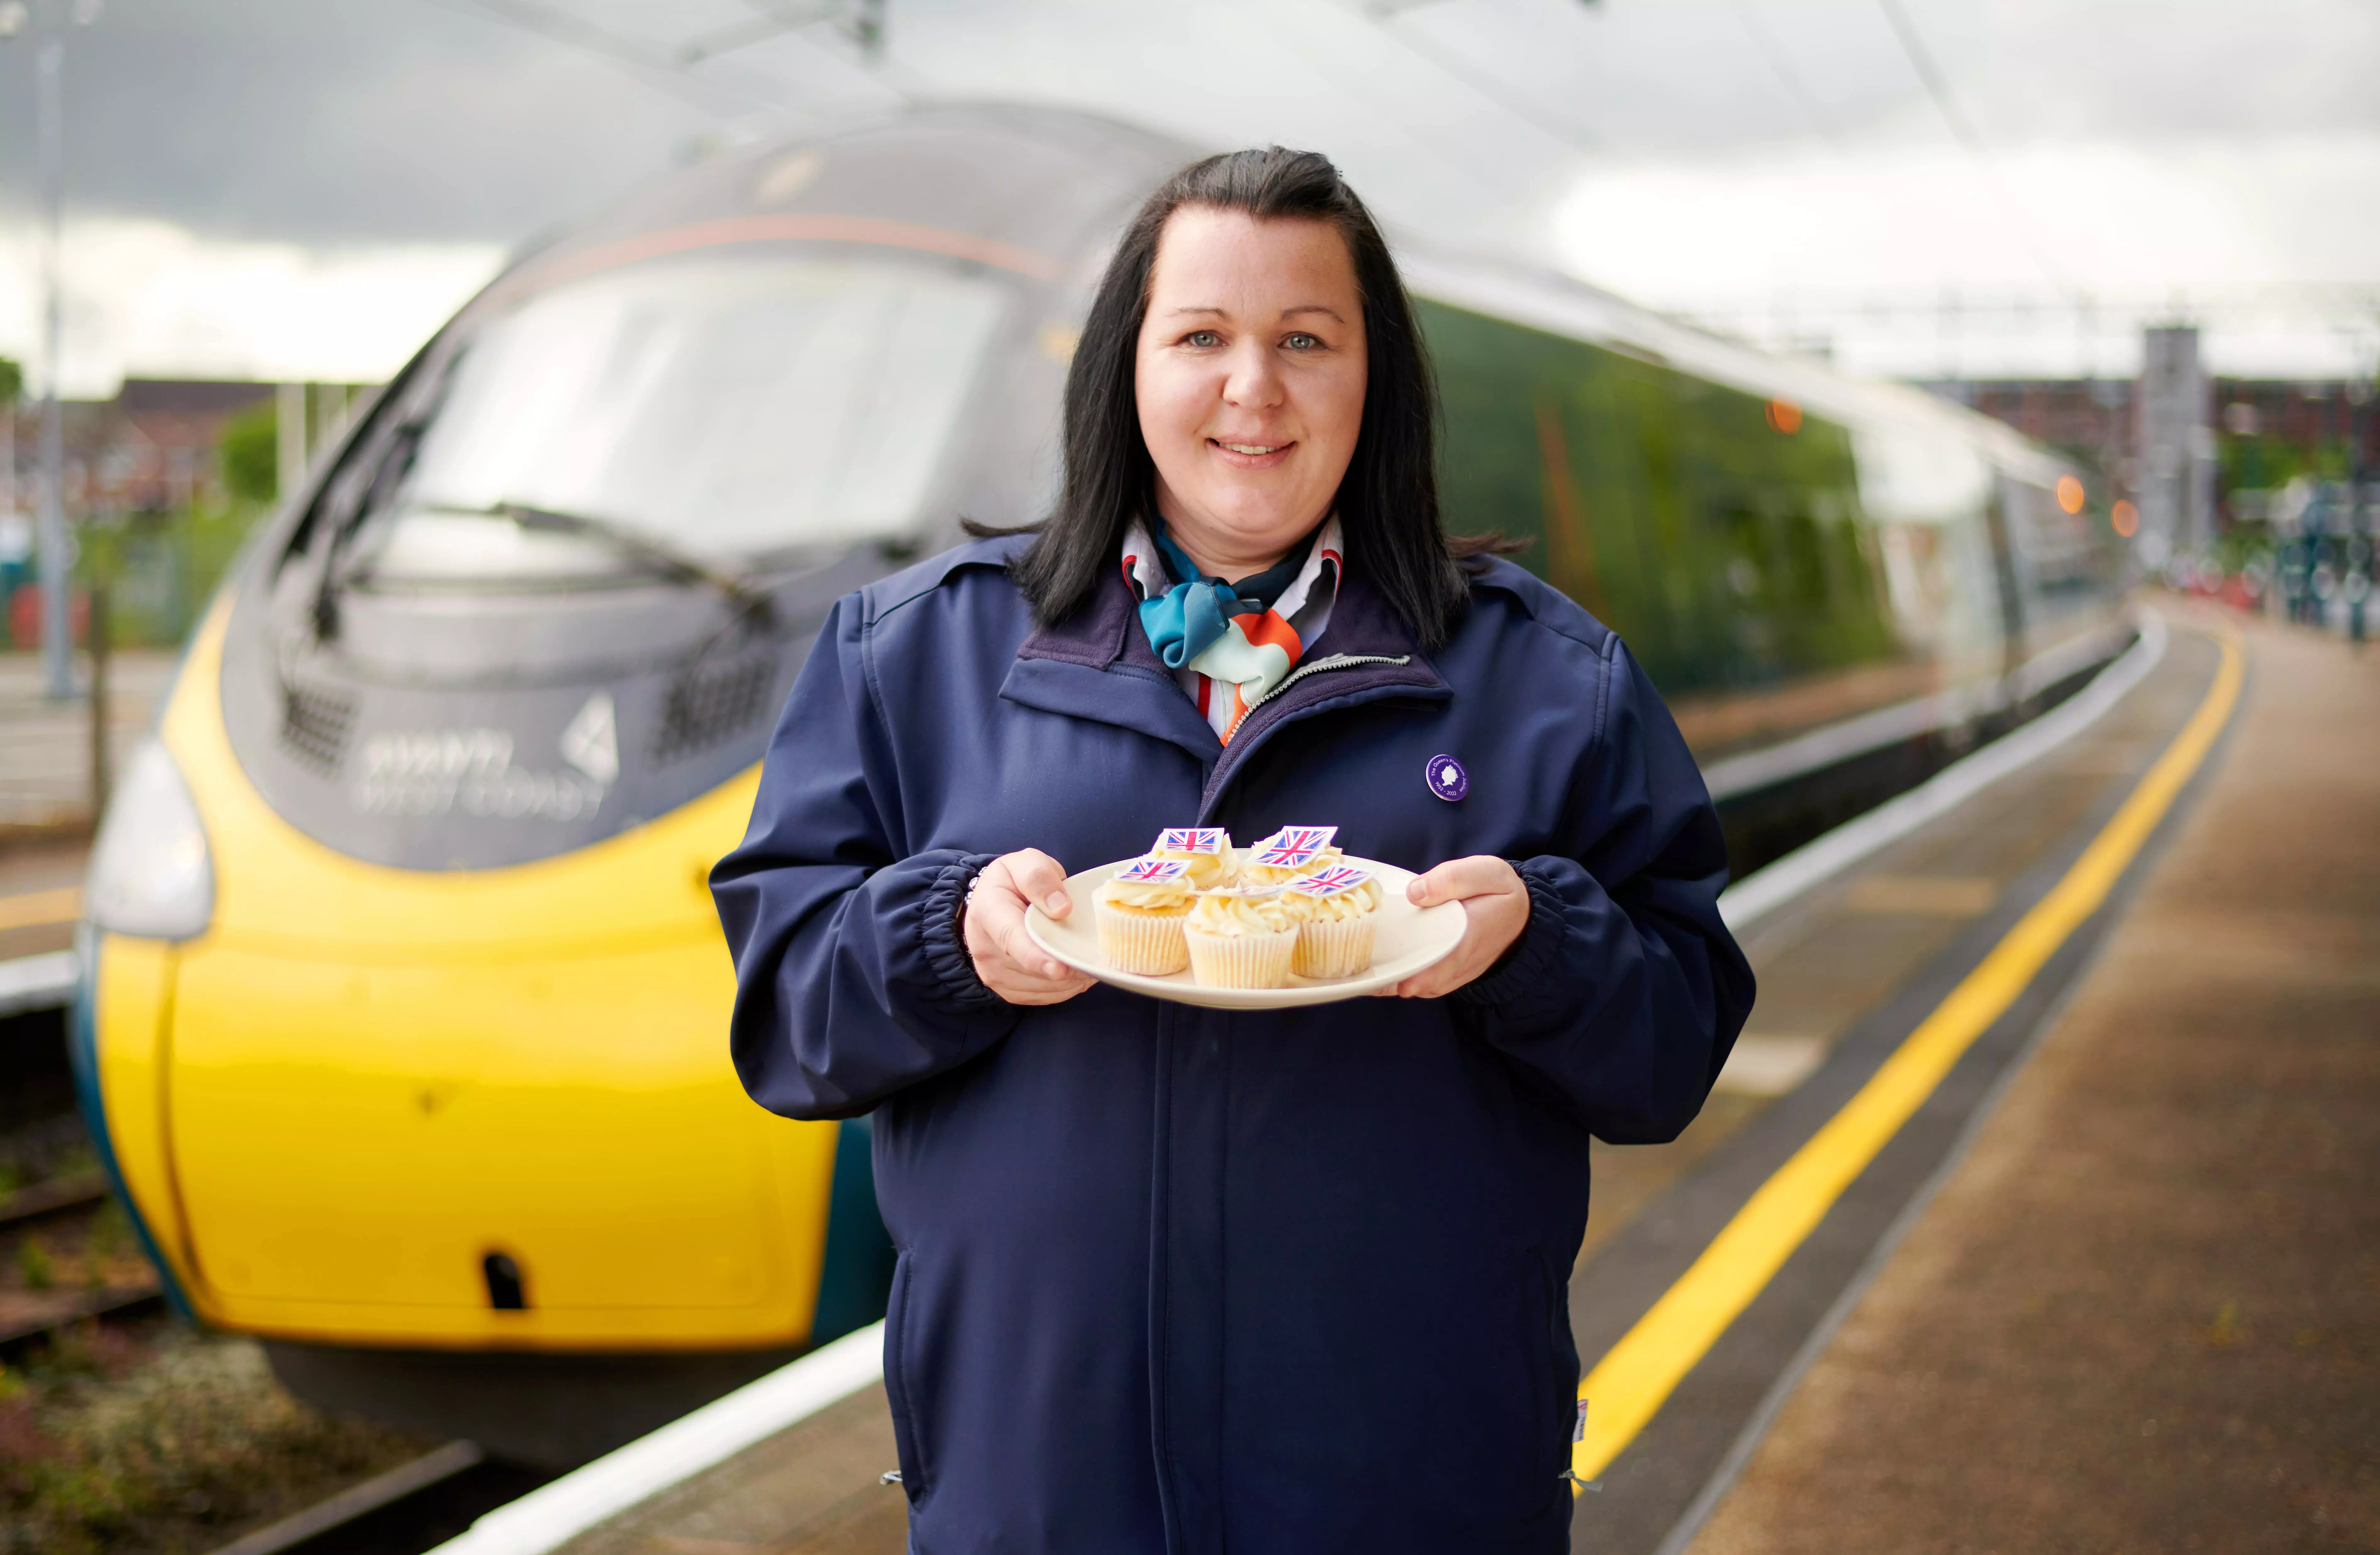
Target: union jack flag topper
[
  {"x": 1301, "y": 839},
  {"x": 1331, "y": 881},
  {"x": 1153, "y": 872},
  {"x": 1286, "y": 858},
  {"x": 1192, "y": 839}
]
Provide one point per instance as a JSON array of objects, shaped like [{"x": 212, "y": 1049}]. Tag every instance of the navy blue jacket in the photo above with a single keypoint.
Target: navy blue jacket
[{"x": 1181, "y": 1280}]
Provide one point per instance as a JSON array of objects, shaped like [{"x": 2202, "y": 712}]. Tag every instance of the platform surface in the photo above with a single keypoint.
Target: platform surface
[
  {"x": 45, "y": 746},
  {"x": 2145, "y": 1311},
  {"x": 2068, "y": 1297}
]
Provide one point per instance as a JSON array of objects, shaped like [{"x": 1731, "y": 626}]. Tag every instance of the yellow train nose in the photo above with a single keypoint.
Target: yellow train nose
[
  {"x": 371, "y": 1105},
  {"x": 359, "y": 1145}
]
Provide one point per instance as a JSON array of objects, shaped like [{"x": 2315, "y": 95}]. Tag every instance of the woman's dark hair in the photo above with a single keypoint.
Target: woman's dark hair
[{"x": 1387, "y": 501}]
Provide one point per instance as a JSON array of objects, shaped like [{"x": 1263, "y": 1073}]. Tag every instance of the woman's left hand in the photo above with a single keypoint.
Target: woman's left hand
[{"x": 1496, "y": 903}]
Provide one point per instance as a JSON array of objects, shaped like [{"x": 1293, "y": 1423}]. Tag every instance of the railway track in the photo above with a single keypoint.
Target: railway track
[
  {"x": 67, "y": 1256},
  {"x": 59, "y": 1229},
  {"x": 407, "y": 1509}
]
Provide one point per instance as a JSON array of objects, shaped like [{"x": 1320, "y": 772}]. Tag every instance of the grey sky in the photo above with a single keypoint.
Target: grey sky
[
  {"x": 2154, "y": 145},
  {"x": 337, "y": 121},
  {"x": 408, "y": 120}
]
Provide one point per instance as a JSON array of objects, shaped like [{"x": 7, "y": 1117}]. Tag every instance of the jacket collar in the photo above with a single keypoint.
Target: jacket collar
[{"x": 1096, "y": 665}]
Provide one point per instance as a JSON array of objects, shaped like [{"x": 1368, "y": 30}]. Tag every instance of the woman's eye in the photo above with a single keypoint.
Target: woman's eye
[
  {"x": 1301, "y": 342},
  {"x": 1202, "y": 337}
]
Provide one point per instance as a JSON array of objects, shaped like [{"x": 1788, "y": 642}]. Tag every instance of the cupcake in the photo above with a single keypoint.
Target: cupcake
[
  {"x": 1289, "y": 853},
  {"x": 1240, "y": 937},
  {"x": 1206, "y": 849},
  {"x": 1139, "y": 912},
  {"x": 1335, "y": 911}
]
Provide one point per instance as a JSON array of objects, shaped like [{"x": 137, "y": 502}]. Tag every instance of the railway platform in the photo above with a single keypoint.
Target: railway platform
[
  {"x": 2034, "y": 1211},
  {"x": 45, "y": 820},
  {"x": 2144, "y": 1312}
]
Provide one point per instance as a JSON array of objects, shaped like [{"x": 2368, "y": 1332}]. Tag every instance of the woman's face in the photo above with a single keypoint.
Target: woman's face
[{"x": 1250, "y": 374}]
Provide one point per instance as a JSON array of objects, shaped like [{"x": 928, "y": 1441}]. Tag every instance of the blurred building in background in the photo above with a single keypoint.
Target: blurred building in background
[
  {"x": 2175, "y": 455},
  {"x": 2237, "y": 446},
  {"x": 160, "y": 484}
]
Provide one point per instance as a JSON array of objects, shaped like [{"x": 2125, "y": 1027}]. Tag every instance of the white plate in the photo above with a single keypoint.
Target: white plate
[{"x": 1408, "y": 939}]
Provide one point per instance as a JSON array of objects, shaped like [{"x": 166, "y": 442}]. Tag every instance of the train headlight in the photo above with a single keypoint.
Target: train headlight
[{"x": 150, "y": 874}]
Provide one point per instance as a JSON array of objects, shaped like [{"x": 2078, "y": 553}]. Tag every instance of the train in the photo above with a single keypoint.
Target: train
[{"x": 402, "y": 1029}]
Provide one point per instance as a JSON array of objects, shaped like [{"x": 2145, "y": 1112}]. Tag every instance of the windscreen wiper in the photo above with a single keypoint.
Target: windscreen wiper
[{"x": 736, "y": 586}]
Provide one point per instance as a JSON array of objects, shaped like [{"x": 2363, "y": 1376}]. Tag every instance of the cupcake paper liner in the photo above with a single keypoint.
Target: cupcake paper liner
[
  {"x": 1141, "y": 943},
  {"x": 1334, "y": 947},
  {"x": 1241, "y": 960}
]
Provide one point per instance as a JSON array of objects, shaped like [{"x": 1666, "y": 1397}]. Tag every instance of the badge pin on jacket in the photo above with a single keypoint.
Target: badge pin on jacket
[{"x": 1446, "y": 778}]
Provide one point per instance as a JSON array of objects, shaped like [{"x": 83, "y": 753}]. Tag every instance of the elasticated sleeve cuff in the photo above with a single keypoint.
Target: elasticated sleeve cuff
[
  {"x": 941, "y": 945},
  {"x": 1527, "y": 978}
]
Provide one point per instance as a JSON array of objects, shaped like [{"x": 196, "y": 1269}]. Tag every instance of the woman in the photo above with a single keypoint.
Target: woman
[{"x": 1174, "y": 1279}]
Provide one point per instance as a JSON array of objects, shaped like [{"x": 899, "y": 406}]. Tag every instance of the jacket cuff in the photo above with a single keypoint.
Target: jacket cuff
[
  {"x": 1531, "y": 968},
  {"x": 941, "y": 945}
]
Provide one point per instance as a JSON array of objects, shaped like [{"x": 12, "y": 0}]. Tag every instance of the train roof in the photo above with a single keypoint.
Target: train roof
[
  {"x": 1041, "y": 192},
  {"x": 1562, "y": 304}
]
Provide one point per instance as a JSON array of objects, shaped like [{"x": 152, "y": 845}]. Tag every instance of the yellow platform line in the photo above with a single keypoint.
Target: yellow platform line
[
  {"x": 1638, "y": 1374},
  {"x": 35, "y": 908}
]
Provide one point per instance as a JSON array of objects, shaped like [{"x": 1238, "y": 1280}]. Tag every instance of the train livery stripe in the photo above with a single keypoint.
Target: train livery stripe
[
  {"x": 1632, "y": 1380},
  {"x": 874, "y": 231}
]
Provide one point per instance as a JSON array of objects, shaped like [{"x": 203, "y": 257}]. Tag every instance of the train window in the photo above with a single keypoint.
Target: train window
[
  {"x": 732, "y": 406},
  {"x": 1915, "y": 477},
  {"x": 1726, "y": 554}
]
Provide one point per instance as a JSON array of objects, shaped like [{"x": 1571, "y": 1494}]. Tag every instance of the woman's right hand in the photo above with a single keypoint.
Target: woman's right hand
[{"x": 1005, "y": 958}]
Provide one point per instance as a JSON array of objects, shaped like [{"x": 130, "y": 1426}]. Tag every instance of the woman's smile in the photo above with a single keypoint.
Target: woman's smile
[{"x": 1251, "y": 456}]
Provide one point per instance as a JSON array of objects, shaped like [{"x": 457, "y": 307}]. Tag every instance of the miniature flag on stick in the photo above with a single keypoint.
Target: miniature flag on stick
[
  {"x": 1331, "y": 881},
  {"x": 1190, "y": 839}
]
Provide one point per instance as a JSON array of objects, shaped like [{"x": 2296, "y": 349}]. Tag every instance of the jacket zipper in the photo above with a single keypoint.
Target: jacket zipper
[{"x": 1336, "y": 661}]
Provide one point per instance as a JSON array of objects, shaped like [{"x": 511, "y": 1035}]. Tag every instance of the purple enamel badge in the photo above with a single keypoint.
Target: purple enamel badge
[{"x": 1447, "y": 778}]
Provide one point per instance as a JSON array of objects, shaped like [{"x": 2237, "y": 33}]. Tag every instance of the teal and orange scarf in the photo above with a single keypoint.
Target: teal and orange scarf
[{"x": 1230, "y": 644}]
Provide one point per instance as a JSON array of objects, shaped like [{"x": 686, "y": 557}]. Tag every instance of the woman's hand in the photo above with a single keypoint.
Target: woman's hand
[
  {"x": 1496, "y": 906},
  {"x": 1005, "y": 958}
]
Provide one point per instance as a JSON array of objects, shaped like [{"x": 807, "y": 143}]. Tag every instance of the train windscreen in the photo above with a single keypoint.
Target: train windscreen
[{"x": 729, "y": 406}]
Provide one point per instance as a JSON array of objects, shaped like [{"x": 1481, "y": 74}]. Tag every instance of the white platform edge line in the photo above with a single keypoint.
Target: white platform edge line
[
  {"x": 38, "y": 982},
  {"x": 552, "y": 1514},
  {"x": 1766, "y": 890}
]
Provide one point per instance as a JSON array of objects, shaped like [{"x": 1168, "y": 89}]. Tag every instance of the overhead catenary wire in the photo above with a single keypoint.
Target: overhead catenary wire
[
  {"x": 648, "y": 65},
  {"x": 1795, "y": 87},
  {"x": 1799, "y": 89},
  {"x": 863, "y": 21},
  {"x": 1447, "y": 61},
  {"x": 765, "y": 22},
  {"x": 1938, "y": 87},
  {"x": 1322, "y": 64},
  {"x": 666, "y": 67}
]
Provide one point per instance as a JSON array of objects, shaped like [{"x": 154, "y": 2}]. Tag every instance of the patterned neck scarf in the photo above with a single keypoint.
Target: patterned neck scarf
[{"x": 1229, "y": 645}]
